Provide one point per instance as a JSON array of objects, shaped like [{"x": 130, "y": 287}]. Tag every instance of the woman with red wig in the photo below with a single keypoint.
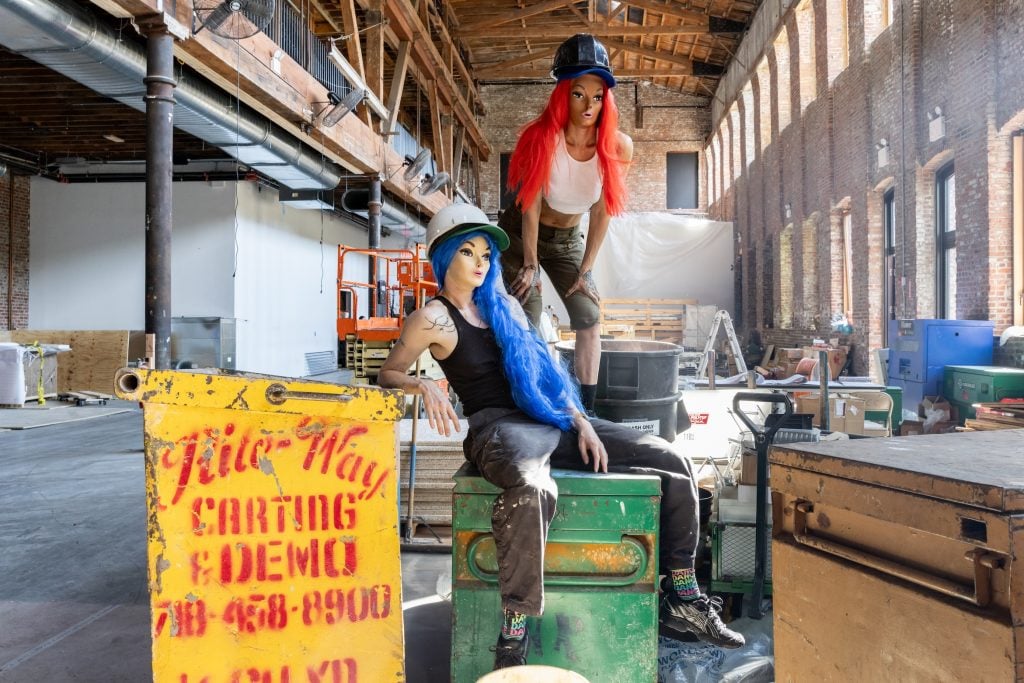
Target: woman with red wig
[{"x": 569, "y": 161}]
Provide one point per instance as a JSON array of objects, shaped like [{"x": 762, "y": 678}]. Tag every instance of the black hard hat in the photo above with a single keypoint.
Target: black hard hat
[{"x": 582, "y": 54}]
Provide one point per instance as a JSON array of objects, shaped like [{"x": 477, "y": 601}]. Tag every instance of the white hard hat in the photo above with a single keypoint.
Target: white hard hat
[{"x": 458, "y": 219}]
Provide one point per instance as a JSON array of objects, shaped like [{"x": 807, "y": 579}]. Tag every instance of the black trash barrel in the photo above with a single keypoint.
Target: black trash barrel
[{"x": 638, "y": 384}]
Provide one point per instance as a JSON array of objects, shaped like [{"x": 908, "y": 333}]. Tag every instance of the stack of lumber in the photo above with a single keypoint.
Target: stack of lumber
[
  {"x": 991, "y": 416},
  {"x": 438, "y": 458},
  {"x": 656, "y": 319}
]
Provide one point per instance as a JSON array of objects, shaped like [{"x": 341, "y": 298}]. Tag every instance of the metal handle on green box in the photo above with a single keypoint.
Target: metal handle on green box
[{"x": 477, "y": 553}]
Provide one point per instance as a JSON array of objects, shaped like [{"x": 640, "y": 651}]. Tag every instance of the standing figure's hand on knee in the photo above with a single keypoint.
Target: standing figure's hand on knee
[
  {"x": 585, "y": 284},
  {"x": 591, "y": 449},
  {"x": 527, "y": 278}
]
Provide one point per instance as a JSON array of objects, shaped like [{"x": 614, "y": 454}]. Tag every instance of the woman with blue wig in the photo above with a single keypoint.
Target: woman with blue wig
[{"x": 525, "y": 417}]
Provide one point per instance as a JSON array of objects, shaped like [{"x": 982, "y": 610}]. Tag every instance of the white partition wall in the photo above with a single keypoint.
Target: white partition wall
[{"x": 262, "y": 264}]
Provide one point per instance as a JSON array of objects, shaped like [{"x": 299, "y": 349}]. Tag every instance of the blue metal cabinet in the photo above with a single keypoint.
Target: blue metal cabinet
[{"x": 919, "y": 351}]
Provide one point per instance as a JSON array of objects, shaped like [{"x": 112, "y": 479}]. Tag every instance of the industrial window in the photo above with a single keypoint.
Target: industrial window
[
  {"x": 681, "y": 180},
  {"x": 1018, "y": 228},
  {"x": 837, "y": 29},
  {"x": 889, "y": 230},
  {"x": 507, "y": 196},
  {"x": 945, "y": 241}
]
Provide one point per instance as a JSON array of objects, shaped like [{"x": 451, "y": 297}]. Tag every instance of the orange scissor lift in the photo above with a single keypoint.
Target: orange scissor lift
[{"x": 408, "y": 277}]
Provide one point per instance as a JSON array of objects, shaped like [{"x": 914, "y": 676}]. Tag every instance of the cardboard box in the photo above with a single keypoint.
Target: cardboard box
[
  {"x": 836, "y": 357},
  {"x": 748, "y": 467},
  {"x": 808, "y": 403},
  {"x": 931, "y": 404},
  {"x": 941, "y": 427},
  {"x": 846, "y": 414},
  {"x": 911, "y": 427},
  {"x": 789, "y": 354}
]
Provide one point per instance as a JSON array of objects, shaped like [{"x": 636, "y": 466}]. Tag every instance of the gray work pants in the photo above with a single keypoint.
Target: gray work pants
[{"x": 516, "y": 453}]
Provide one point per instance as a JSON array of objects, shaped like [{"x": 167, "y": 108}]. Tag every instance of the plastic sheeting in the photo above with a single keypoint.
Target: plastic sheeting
[
  {"x": 698, "y": 662},
  {"x": 12, "y": 374},
  {"x": 667, "y": 256},
  {"x": 656, "y": 255}
]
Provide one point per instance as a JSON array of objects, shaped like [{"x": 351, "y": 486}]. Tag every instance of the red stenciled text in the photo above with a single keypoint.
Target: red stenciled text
[
  {"x": 276, "y": 514},
  {"x": 274, "y": 560},
  {"x": 273, "y": 612},
  {"x": 203, "y": 457},
  {"x": 325, "y": 671}
]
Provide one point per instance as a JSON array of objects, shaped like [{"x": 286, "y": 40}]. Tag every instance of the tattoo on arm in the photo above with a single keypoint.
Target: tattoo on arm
[{"x": 441, "y": 322}]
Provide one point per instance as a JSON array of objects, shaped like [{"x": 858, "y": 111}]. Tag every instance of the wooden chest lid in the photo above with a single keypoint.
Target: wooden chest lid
[{"x": 984, "y": 469}]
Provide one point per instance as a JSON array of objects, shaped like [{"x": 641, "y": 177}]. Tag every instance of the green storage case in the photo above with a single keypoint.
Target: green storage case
[
  {"x": 964, "y": 385},
  {"x": 601, "y": 578}
]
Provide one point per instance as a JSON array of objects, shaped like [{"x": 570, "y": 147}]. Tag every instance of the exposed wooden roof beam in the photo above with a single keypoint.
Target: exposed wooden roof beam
[
  {"x": 405, "y": 22},
  {"x": 649, "y": 53},
  {"x": 505, "y": 17},
  {"x": 352, "y": 46},
  {"x": 638, "y": 72},
  {"x": 598, "y": 29},
  {"x": 670, "y": 9},
  {"x": 496, "y": 70},
  {"x": 397, "y": 87}
]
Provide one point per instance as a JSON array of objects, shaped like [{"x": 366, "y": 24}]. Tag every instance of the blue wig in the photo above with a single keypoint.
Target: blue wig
[{"x": 540, "y": 386}]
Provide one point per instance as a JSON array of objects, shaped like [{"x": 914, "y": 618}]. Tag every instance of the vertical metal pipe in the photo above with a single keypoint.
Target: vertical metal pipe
[
  {"x": 373, "y": 214},
  {"x": 159, "y": 100},
  {"x": 823, "y": 373},
  {"x": 10, "y": 251}
]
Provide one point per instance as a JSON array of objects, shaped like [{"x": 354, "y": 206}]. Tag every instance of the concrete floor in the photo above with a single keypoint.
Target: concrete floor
[{"x": 73, "y": 597}]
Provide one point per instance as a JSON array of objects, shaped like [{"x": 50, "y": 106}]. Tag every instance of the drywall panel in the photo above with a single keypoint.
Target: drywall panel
[
  {"x": 286, "y": 271},
  {"x": 87, "y": 254}
]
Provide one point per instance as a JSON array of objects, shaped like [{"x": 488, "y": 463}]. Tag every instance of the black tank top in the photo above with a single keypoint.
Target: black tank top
[{"x": 474, "y": 367}]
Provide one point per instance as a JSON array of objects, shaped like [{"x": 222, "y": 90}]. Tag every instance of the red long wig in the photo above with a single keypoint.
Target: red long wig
[{"x": 530, "y": 166}]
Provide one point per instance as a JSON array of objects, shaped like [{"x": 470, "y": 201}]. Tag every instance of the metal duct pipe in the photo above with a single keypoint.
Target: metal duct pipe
[
  {"x": 68, "y": 39},
  {"x": 358, "y": 201}
]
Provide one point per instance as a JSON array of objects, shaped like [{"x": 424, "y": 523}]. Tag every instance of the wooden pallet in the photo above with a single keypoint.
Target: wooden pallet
[
  {"x": 85, "y": 398},
  {"x": 655, "y": 319}
]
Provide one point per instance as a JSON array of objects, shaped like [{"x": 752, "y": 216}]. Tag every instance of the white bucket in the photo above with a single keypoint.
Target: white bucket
[{"x": 533, "y": 673}]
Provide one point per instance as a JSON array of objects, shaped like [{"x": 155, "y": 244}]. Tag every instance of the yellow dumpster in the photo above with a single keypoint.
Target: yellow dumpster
[{"x": 273, "y": 528}]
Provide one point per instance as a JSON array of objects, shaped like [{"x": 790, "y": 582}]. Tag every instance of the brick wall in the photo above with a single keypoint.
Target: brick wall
[
  {"x": 964, "y": 58},
  {"x": 14, "y": 243},
  {"x": 671, "y": 122}
]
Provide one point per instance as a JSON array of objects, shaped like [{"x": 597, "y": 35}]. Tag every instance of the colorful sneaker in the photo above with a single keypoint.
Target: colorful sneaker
[
  {"x": 699, "y": 617},
  {"x": 510, "y": 652}
]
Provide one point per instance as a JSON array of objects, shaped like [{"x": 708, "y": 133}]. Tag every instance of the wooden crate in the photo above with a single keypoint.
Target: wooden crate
[
  {"x": 95, "y": 356},
  {"x": 656, "y": 319}
]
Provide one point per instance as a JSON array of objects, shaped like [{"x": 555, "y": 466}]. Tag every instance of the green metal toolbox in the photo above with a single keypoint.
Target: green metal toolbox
[
  {"x": 965, "y": 385},
  {"x": 601, "y": 578}
]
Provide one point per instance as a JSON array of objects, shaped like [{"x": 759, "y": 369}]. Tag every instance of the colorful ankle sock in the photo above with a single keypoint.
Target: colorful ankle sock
[
  {"x": 684, "y": 582},
  {"x": 513, "y": 624},
  {"x": 588, "y": 394}
]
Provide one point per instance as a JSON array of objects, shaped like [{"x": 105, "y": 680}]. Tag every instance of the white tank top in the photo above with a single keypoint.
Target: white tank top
[{"x": 573, "y": 186}]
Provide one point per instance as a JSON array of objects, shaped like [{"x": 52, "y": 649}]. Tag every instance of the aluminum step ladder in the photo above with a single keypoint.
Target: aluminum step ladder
[{"x": 722, "y": 319}]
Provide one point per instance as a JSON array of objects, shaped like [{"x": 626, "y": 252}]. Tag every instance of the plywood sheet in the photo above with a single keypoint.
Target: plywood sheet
[{"x": 94, "y": 357}]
